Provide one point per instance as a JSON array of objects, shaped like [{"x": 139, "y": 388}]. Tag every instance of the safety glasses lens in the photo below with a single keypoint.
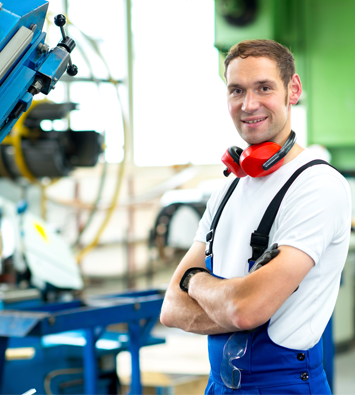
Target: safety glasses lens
[{"x": 234, "y": 349}]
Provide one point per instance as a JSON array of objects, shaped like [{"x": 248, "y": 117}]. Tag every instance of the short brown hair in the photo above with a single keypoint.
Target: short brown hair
[{"x": 264, "y": 48}]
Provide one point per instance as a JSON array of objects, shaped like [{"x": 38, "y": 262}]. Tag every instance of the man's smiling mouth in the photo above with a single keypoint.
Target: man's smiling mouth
[{"x": 255, "y": 120}]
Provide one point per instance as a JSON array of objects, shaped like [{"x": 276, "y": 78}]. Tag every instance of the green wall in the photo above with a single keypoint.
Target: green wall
[{"x": 321, "y": 34}]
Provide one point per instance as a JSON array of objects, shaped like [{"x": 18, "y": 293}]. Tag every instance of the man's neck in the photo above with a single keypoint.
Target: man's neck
[{"x": 295, "y": 151}]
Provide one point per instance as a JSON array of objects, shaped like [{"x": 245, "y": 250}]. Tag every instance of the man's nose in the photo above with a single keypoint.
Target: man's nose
[{"x": 250, "y": 102}]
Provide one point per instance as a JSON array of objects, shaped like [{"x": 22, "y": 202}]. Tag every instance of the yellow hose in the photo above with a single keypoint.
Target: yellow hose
[
  {"x": 110, "y": 211},
  {"x": 15, "y": 139},
  {"x": 113, "y": 204}
]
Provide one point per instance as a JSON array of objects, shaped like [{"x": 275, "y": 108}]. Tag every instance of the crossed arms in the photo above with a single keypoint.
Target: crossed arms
[{"x": 215, "y": 306}]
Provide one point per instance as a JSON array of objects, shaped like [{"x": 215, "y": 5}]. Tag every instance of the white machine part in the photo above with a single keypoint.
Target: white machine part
[
  {"x": 183, "y": 226},
  {"x": 47, "y": 254},
  {"x": 181, "y": 211}
]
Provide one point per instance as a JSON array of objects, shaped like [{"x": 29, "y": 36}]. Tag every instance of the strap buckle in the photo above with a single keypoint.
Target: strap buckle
[
  {"x": 209, "y": 239},
  {"x": 208, "y": 250},
  {"x": 209, "y": 236},
  {"x": 259, "y": 244}
]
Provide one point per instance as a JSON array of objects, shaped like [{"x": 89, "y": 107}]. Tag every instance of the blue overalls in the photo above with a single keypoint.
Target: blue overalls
[{"x": 266, "y": 368}]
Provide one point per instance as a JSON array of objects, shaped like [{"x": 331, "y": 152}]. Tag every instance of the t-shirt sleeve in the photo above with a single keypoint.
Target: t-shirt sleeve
[
  {"x": 315, "y": 212},
  {"x": 204, "y": 226}
]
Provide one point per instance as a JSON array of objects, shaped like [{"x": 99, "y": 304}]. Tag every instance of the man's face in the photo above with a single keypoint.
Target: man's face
[{"x": 257, "y": 100}]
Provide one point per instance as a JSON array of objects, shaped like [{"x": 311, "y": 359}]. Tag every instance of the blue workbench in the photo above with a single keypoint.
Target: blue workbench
[{"x": 139, "y": 309}]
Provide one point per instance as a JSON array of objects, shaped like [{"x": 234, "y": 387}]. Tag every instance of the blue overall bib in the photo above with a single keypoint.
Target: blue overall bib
[{"x": 266, "y": 368}]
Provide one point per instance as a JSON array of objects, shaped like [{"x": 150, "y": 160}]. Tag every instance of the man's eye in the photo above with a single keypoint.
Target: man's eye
[
  {"x": 237, "y": 91},
  {"x": 265, "y": 89}
]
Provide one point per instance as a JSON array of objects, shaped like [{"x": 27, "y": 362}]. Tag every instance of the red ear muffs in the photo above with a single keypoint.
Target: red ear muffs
[
  {"x": 231, "y": 160},
  {"x": 252, "y": 159},
  {"x": 258, "y": 160}
]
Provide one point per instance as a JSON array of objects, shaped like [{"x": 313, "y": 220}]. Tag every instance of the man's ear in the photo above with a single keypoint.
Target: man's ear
[{"x": 294, "y": 89}]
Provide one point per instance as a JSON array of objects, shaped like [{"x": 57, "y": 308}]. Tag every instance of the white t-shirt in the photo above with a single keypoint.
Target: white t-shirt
[{"x": 314, "y": 216}]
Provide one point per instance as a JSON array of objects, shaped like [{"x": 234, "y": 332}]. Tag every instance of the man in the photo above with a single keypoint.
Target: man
[{"x": 282, "y": 308}]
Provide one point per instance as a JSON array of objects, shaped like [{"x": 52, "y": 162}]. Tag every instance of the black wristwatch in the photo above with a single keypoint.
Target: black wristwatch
[{"x": 185, "y": 279}]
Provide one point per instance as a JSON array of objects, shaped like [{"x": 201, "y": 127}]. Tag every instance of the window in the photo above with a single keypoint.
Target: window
[
  {"x": 180, "y": 111},
  {"x": 99, "y": 107}
]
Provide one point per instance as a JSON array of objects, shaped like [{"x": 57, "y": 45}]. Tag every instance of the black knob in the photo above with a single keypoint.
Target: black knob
[
  {"x": 67, "y": 43},
  {"x": 60, "y": 20},
  {"x": 72, "y": 70}
]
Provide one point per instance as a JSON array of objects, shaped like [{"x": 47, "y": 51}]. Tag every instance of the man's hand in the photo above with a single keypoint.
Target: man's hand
[{"x": 267, "y": 256}]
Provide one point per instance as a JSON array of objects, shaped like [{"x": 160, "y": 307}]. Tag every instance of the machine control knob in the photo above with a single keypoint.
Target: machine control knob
[
  {"x": 72, "y": 70},
  {"x": 60, "y": 20},
  {"x": 67, "y": 43}
]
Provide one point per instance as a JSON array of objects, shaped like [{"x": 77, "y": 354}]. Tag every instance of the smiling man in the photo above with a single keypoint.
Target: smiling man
[{"x": 264, "y": 326}]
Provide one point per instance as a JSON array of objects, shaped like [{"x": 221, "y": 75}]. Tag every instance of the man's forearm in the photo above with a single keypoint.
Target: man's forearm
[
  {"x": 185, "y": 313},
  {"x": 216, "y": 297}
]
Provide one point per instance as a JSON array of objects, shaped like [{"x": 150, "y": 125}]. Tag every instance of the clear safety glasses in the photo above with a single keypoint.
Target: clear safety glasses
[{"x": 234, "y": 349}]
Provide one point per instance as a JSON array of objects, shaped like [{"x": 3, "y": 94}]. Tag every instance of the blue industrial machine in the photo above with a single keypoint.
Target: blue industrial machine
[
  {"x": 72, "y": 349},
  {"x": 27, "y": 65}
]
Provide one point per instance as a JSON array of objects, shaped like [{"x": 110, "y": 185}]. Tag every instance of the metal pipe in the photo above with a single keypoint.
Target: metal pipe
[{"x": 129, "y": 81}]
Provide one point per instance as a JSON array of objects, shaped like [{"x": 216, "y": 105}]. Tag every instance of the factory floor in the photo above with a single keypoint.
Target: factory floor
[{"x": 184, "y": 356}]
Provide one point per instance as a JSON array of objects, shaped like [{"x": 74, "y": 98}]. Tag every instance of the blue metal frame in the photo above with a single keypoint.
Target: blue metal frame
[
  {"x": 91, "y": 315},
  {"x": 14, "y": 85}
]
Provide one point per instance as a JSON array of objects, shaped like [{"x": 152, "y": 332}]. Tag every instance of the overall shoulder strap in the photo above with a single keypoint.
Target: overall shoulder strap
[
  {"x": 260, "y": 238},
  {"x": 210, "y": 234}
]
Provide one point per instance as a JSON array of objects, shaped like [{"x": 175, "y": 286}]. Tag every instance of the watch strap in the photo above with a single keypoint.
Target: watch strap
[{"x": 185, "y": 279}]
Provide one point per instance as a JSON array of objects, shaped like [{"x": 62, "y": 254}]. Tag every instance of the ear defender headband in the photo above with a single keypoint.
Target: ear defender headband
[{"x": 258, "y": 160}]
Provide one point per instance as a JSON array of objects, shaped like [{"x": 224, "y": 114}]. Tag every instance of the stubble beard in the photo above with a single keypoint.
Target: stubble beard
[{"x": 267, "y": 135}]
